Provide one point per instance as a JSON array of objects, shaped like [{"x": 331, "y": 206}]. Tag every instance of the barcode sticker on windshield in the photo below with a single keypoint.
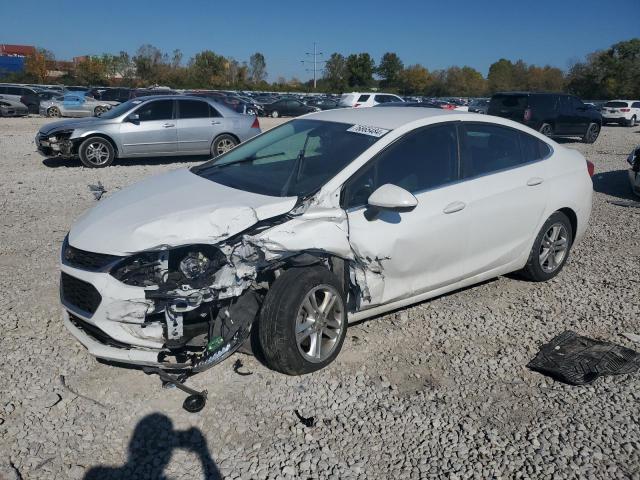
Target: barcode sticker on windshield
[{"x": 365, "y": 130}]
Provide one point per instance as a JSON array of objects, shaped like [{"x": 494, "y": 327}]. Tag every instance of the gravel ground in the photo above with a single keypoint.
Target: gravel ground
[{"x": 438, "y": 390}]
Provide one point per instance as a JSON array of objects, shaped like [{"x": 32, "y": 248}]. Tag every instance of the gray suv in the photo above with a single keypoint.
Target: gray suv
[{"x": 148, "y": 127}]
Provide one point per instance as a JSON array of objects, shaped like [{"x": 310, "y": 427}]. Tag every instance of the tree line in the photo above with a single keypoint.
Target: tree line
[{"x": 605, "y": 74}]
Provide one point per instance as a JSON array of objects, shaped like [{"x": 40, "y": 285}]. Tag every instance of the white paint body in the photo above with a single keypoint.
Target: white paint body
[{"x": 455, "y": 236}]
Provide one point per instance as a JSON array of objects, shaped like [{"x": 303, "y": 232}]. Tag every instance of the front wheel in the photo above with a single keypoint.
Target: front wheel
[
  {"x": 592, "y": 133},
  {"x": 303, "y": 321},
  {"x": 222, "y": 144},
  {"x": 99, "y": 110},
  {"x": 53, "y": 112},
  {"x": 550, "y": 249},
  {"x": 631, "y": 122},
  {"x": 275, "y": 114},
  {"x": 96, "y": 152}
]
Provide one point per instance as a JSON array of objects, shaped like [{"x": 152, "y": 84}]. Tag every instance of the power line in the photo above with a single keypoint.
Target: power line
[{"x": 315, "y": 61}]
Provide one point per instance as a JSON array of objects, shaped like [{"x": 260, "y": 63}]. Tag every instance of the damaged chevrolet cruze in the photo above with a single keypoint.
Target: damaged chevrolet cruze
[{"x": 332, "y": 217}]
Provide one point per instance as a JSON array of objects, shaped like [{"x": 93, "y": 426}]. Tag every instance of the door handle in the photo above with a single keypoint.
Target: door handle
[
  {"x": 534, "y": 181},
  {"x": 169, "y": 125},
  {"x": 454, "y": 207},
  {"x": 215, "y": 122}
]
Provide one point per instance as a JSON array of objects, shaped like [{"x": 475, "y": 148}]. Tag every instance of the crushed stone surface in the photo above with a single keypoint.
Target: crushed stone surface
[{"x": 436, "y": 390}]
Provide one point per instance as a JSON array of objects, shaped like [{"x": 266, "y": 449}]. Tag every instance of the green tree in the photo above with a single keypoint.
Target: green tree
[
  {"x": 207, "y": 69},
  {"x": 414, "y": 80},
  {"x": 390, "y": 69},
  {"x": 148, "y": 62},
  {"x": 360, "y": 68},
  {"x": 39, "y": 64},
  {"x": 335, "y": 73},
  {"x": 464, "y": 82},
  {"x": 500, "y": 77},
  {"x": 257, "y": 68}
]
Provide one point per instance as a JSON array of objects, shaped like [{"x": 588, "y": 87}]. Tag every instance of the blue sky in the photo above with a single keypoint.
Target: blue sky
[{"x": 436, "y": 34}]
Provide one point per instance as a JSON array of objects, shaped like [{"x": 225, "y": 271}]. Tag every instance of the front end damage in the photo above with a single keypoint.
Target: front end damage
[
  {"x": 57, "y": 144},
  {"x": 187, "y": 308}
]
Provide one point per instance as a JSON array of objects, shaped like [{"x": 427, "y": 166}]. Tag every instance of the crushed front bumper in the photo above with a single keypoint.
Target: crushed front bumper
[{"x": 98, "y": 348}]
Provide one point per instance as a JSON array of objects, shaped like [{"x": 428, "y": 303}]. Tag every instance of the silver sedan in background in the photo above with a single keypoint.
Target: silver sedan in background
[
  {"x": 154, "y": 126},
  {"x": 73, "y": 104}
]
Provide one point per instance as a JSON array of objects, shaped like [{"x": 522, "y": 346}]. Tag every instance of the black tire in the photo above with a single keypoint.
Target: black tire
[
  {"x": 222, "y": 144},
  {"x": 96, "y": 152},
  {"x": 592, "y": 133},
  {"x": 53, "y": 112},
  {"x": 279, "y": 318},
  {"x": 546, "y": 129},
  {"x": 275, "y": 114},
  {"x": 99, "y": 110},
  {"x": 631, "y": 122},
  {"x": 533, "y": 270}
]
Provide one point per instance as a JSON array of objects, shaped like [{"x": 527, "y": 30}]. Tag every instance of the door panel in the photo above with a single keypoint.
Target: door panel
[
  {"x": 417, "y": 251},
  {"x": 156, "y": 133},
  {"x": 196, "y": 130}
]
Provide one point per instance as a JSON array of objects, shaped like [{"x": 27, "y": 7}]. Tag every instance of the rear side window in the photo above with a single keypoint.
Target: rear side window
[
  {"x": 489, "y": 148},
  {"x": 421, "y": 160},
  {"x": 193, "y": 109},
  {"x": 532, "y": 148},
  {"x": 363, "y": 98},
  {"x": 156, "y": 110},
  {"x": 635, "y": 105},
  {"x": 509, "y": 102},
  {"x": 14, "y": 91},
  {"x": 616, "y": 104}
]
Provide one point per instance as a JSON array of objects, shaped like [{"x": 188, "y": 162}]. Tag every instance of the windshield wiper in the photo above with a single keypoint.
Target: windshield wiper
[
  {"x": 295, "y": 171},
  {"x": 244, "y": 160}
]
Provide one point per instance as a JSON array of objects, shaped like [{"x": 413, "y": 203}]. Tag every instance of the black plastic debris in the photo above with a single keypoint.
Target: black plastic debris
[
  {"x": 577, "y": 360},
  {"x": 237, "y": 366},
  {"x": 307, "y": 422},
  {"x": 625, "y": 203},
  {"x": 97, "y": 190}
]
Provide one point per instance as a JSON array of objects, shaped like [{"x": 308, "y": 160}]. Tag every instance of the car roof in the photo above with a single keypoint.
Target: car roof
[{"x": 389, "y": 118}]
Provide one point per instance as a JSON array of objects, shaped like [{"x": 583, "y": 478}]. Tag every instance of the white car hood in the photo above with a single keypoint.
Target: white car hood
[{"x": 176, "y": 208}]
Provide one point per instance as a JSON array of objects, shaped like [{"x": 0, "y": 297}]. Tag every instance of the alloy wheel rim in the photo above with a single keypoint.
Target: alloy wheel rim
[
  {"x": 97, "y": 153},
  {"x": 593, "y": 132},
  {"x": 546, "y": 130},
  {"x": 224, "y": 146},
  {"x": 553, "y": 248},
  {"x": 54, "y": 112},
  {"x": 319, "y": 323}
]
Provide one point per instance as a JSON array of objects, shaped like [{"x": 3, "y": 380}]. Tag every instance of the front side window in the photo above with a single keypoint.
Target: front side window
[
  {"x": 487, "y": 148},
  {"x": 193, "y": 109},
  {"x": 421, "y": 160},
  {"x": 363, "y": 98},
  {"x": 295, "y": 159},
  {"x": 156, "y": 110}
]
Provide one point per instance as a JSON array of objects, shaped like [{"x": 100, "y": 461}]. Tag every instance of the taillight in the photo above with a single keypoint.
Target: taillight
[
  {"x": 591, "y": 168},
  {"x": 625, "y": 109},
  {"x": 527, "y": 114},
  {"x": 256, "y": 123}
]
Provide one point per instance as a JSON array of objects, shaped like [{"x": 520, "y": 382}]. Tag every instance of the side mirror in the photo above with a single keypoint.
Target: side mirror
[
  {"x": 392, "y": 197},
  {"x": 134, "y": 118}
]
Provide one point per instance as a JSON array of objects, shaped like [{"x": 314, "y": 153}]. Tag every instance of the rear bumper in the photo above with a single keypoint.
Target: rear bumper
[{"x": 616, "y": 118}]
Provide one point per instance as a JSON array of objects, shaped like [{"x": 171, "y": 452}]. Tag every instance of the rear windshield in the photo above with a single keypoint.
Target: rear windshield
[
  {"x": 509, "y": 102},
  {"x": 616, "y": 104}
]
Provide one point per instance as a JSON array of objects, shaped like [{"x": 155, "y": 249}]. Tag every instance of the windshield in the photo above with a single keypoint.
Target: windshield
[
  {"x": 120, "y": 109},
  {"x": 294, "y": 159},
  {"x": 616, "y": 104}
]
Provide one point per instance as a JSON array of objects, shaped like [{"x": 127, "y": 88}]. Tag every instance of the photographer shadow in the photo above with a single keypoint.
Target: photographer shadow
[{"x": 150, "y": 450}]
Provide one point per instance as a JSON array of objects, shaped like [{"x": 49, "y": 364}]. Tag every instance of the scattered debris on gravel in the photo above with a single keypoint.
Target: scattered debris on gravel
[{"x": 437, "y": 390}]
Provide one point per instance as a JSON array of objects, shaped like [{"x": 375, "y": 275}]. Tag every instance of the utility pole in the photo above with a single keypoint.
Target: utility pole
[{"x": 315, "y": 61}]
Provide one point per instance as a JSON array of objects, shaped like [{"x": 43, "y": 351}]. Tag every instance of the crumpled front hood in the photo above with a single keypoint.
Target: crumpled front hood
[
  {"x": 72, "y": 123},
  {"x": 175, "y": 208}
]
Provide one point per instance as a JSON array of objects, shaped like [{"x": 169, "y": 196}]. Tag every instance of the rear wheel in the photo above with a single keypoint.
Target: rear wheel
[
  {"x": 96, "y": 152},
  {"x": 303, "y": 321},
  {"x": 275, "y": 114},
  {"x": 550, "y": 249},
  {"x": 99, "y": 110},
  {"x": 53, "y": 112},
  {"x": 631, "y": 122},
  {"x": 592, "y": 133},
  {"x": 546, "y": 129},
  {"x": 222, "y": 144}
]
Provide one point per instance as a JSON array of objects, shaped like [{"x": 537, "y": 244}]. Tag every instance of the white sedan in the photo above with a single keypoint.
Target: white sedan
[{"x": 329, "y": 218}]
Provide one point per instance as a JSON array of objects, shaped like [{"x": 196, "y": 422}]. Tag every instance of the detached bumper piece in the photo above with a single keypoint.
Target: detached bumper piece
[{"x": 577, "y": 360}]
